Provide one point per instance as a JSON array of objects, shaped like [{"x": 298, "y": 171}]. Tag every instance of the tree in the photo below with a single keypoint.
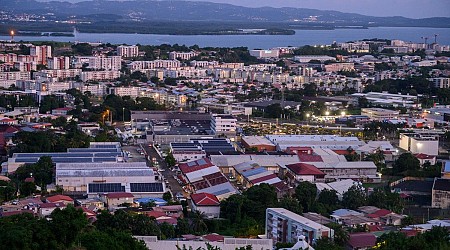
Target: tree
[
  {"x": 94, "y": 240},
  {"x": 354, "y": 198},
  {"x": 405, "y": 162},
  {"x": 291, "y": 204},
  {"x": 198, "y": 224},
  {"x": 167, "y": 231},
  {"x": 170, "y": 160},
  {"x": 167, "y": 196},
  {"x": 68, "y": 223},
  {"x": 326, "y": 243},
  {"x": 340, "y": 234},
  {"x": 306, "y": 193}
]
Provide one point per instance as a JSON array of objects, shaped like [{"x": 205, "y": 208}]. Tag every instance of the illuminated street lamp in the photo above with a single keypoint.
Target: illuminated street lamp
[
  {"x": 12, "y": 34},
  {"x": 343, "y": 113},
  {"x": 327, "y": 113}
]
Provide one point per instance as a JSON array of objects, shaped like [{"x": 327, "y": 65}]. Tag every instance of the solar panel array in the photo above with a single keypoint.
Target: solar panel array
[
  {"x": 105, "y": 188},
  {"x": 146, "y": 187},
  {"x": 210, "y": 146}
]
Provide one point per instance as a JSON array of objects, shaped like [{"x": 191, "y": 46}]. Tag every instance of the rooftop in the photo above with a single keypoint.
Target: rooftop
[
  {"x": 298, "y": 218},
  {"x": 205, "y": 199}
]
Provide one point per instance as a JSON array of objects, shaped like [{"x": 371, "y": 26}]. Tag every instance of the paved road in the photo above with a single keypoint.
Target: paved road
[{"x": 168, "y": 175}]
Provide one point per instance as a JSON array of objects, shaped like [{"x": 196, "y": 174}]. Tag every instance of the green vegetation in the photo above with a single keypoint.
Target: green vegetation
[
  {"x": 437, "y": 238},
  {"x": 67, "y": 229}
]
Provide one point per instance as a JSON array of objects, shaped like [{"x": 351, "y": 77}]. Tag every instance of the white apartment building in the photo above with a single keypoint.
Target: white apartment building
[
  {"x": 99, "y": 75},
  {"x": 5, "y": 76},
  {"x": 59, "y": 73},
  {"x": 133, "y": 92},
  {"x": 127, "y": 51},
  {"x": 140, "y": 65},
  {"x": 188, "y": 72},
  {"x": 182, "y": 55},
  {"x": 94, "y": 89},
  {"x": 379, "y": 114},
  {"x": 25, "y": 66},
  {"x": 441, "y": 82},
  {"x": 99, "y": 62},
  {"x": 285, "y": 226},
  {"x": 223, "y": 124},
  {"x": 203, "y": 64},
  {"x": 305, "y": 59},
  {"x": 54, "y": 86},
  {"x": 261, "y": 53},
  {"x": 358, "y": 47},
  {"x": 61, "y": 62},
  {"x": 42, "y": 52}
]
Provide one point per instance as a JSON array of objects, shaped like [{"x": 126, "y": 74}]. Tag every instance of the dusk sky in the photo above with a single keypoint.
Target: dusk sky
[{"x": 407, "y": 8}]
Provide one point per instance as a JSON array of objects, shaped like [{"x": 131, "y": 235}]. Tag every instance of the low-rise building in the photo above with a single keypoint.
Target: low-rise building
[
  {"x": 440, "y": 194},
  {"x": 207, "y": 204},
  {"x": 417, "y": 143},
  {"x": 379, "y": 114},
  {"x": 257, "y": 143},
  {"x": 117, "y": 199}
]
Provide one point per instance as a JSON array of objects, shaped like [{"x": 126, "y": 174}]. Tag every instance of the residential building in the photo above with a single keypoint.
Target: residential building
[
  {"x": 361, "y": 241},
  {"x": 99, "y": 75},
  {"x": 182, "y": 55},
  {"x": 424, "y": 158},
  {"x": 441, "y": 82},
  {"x": 207, "y": 204},
  {"x": 62, "y": 62},
  {"x": 60, "y": 198},
  {"x": 335, "y": 67},
  {"x": 127, "y": 51},
  {"x": 441, "y": 193},
  {"x": 116, "y": 199},
  {"x": 42, "y": 52},
  {"x": 285, "y": 226},
  {"x": 307, "y": 58},
  {"x": 46, "y": 209},
  {"x": 417, "y": 143},
  {"x": 379, "y": 114}
]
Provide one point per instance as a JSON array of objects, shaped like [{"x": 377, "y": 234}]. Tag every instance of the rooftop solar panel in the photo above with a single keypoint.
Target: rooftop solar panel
[
  {"x": 105, "y": 188},
  {"x": 146, "y": 187}
]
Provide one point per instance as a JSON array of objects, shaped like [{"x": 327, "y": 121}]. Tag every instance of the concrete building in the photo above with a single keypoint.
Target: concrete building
[
  {"x": 307, "y": 58},
  {"x": 315, "y": 141},
  {"x": 261, "y": 53},
  {"x": 419, "y": 143},
  {"x": 116, "y": 199},
  {"x": 379, "y": 114},
  {"x": 389, "y": 100},
  {"x": 441, "y": 82},
  {"x": 99, "y": 75},
  {"x": 223, "y": 124},
  {"x": 152, "y": 242},
  {"x": 440, "y": 196},
  {"x": 207, "y": 204},
  {"x": 42, "y": 52},
  {"x": 127, "y": 51},
  {"x": 140, "y": 65},
  {"x": 62, "y": 62},
  {"x": 182, "y": 55},
  {"x": 285, "y": 226}
]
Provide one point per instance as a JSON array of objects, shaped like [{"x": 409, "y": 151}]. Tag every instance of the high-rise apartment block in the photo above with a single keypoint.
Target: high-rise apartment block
[
  {"x": 42, "y": 52},
  {"x": 128, "y": 51}
]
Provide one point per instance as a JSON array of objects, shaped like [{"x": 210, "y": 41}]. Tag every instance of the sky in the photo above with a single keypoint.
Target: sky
[{"x": 406, "y": 8}]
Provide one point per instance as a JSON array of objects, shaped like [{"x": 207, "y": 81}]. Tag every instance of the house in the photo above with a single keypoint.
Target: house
[
  {"x": 424, "y": 158},
  {"x": 207, "y": 204},
  {"x": 303, "y": 172},
  {"x": 258, "y": 143},
  {"x": 117, "y": 199},
  {"x": 161, "y": 217},
  {"x": 387, "y": 217},
  {"x": 61, "y": 111},
  {"x": 45, "y": 209},
  {"x": 60, "y": 198},
  {"x": 175, "y": 211},
  {"x": 361, "y": 241}
]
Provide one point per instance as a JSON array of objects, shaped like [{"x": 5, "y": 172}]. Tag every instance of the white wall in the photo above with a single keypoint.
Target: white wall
[
  {"x": 210, "y": 211},
  {"x": 424, "y": 147}
]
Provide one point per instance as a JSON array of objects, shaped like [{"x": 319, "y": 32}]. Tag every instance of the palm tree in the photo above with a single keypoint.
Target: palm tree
[{"x": 197, "y": 222}]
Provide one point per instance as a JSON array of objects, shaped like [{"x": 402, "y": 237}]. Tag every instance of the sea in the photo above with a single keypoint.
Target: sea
[{"x": 301, "y": 37}]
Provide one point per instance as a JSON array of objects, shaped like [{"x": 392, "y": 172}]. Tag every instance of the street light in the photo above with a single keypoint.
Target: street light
[
  {"x": 327, "y": 113},
  {"x": 123, "y": 114},
  {"x": 343, "y": 113}
]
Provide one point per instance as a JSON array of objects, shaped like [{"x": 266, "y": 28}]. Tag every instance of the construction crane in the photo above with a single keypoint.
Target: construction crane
[{"x": 435, "y": 38}]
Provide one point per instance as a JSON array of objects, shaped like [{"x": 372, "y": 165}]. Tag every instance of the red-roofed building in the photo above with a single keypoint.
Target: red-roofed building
[
  {"x": 207, "y": 204},
  {"x": 45, "y": 209},
  {"x": 424, "y": 158},
  {"x": 11, "y": 213},
  {"x": 61, "y": 111},
  {"x": 361, "y": 241},
  {"x": 116, "y": 199},
  {"x": 213, "y": 238},
  {"x": 60, "y": 198},
  {"x": 161, "y": 217},
  {"x": 310, "y": 158},
  {"x": 195, "y": 165},
  {"x": 298, "y": 172},
  {"x": 299, "y": 150},
  {"x": 6, "y": 134}
]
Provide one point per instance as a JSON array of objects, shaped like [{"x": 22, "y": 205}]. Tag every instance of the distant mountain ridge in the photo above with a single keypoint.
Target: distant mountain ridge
[{"x": 149, "y": 10}]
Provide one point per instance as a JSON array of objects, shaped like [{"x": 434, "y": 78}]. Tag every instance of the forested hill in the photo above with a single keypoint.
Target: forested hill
[{"x": 148, "y": 10}]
